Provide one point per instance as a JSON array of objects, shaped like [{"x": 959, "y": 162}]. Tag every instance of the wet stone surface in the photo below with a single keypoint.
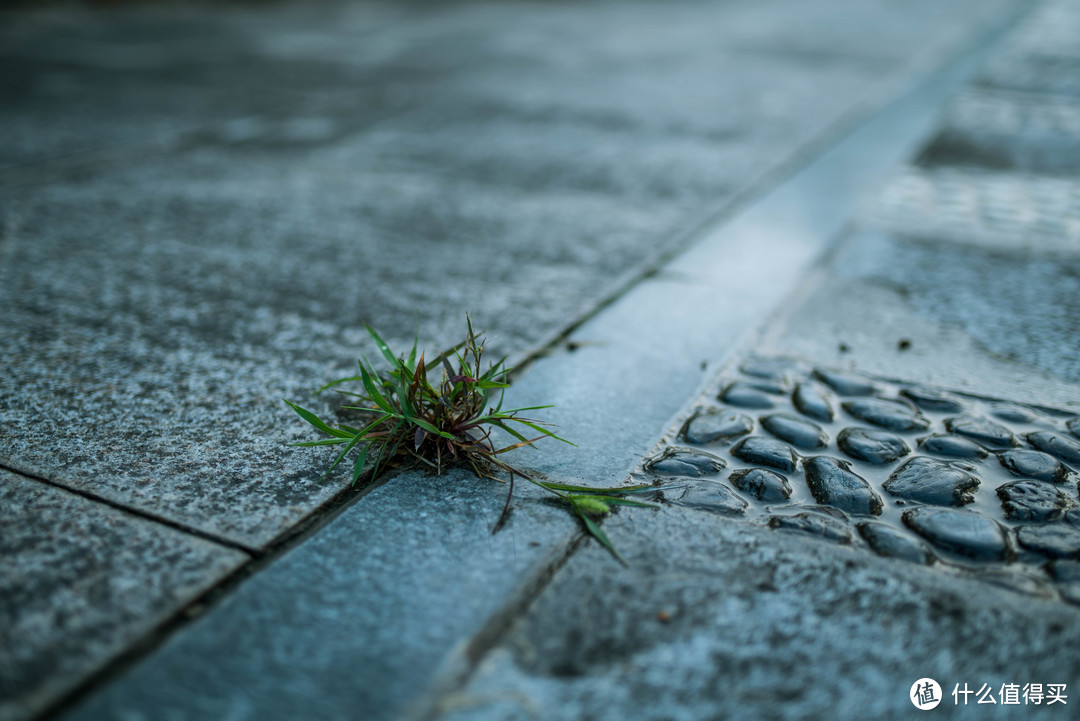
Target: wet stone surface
[
  {"x": 711, "y": 497},
  {"x": 1056, "y": 540},
  {"x": 931, "y": 400},
  {"x": 745, "y": 395},
  {"x": 814, "y": 401},
  {"x": 815, "y": 525},
  {"x": 799, "y": 432},
  {"x": 982, "y": 431},
  {"x": 720, "y": 426},
  {"x": 943, "y": 444},
  {"x": 762, "y": 484},
  {"x": 778, "y": 370},
  {"x": 892, "y": 415},
  {"x": 685, "y": 462},
  {"x": 1056, "y": 444},
  {"x": 872, "y": 446},
  {"x": 938, "y": 483},
  {"x": 1013, "y": 413},
  {"x": 885, "y": 540},
  {"x": 766, "y": 452},
  {"x": 1034, "y": 464},
  {"x": 1033, "y": 501},
  {"x": 960, "y": 532},
  {"x": 832, "y": 483},
  {"x": 846, "y": 384},
  {"x": 921, "y": 475}
]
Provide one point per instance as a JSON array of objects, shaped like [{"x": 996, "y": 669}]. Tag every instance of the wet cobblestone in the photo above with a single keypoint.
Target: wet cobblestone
[{"x": 933, "y": 477}]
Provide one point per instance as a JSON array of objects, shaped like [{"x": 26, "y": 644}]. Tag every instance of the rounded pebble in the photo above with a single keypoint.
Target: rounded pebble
[
  {"x": 982, "y": 431},
  {"x": 815, "y": 525},
  {"x": 1074, "y": 427},
  {"x": 812, "y": 400},
  {"x": 685, "y": 462},
  {"x": 797, "y": 431},
  {"x": 765, "y": 452},
  {"x": 711, "y": 497},
  {"x": 1013, "y": 413},
  {"x": 1033, "y": 501},
  {"x": 832, "y": 482},
  {"x": 937, "y": 483},
  {"x": 1057, "y": 445},
  {"x": 872, "y": 445},
  {"x": 930, "y": 400},
  {"x": 887, "y": 541},
  {"x": 846, "y": 384},
  {"x": 777, "y": 369},
  {"x": 745, "y": 395},
  {"x": 961, "y": 532},
  {"x": 762, "y": 484},
  {"x": 1065, "y": 571},
  {"x": 1055, "y": 540},
  {"x": 942, "y": 444},
  {"x": 893, "y": 415},
  {"x": 1073, "y": 517},
  {"x": 1034, "y": 464},
  {"x": 718, "y": 426}
]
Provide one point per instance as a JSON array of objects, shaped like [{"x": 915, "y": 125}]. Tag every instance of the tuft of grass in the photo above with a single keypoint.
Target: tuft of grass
[{"x": 410, "y": 417}]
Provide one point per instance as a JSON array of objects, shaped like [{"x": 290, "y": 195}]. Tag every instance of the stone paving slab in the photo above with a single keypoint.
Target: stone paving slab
[
  {"x": 964, "y": 276},
  {"x": 956, "y": 306},
  {"x": 721, "y": 619},
  {"x": 622, "y": 375},
  {"x": 79, "y": 79},
  {"x": 158, "y": 306},
  {"x": 320, "y": 634},
  {"x": 80, "y": 583}
]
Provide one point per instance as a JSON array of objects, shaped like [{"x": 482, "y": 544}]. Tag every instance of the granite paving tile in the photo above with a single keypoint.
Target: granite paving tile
[
  {"x": 447, "y": 159},
  {"x": 80, "y": 582}
]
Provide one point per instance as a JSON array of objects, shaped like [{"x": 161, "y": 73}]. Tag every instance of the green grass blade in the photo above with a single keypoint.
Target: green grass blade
[
  {"x": 323, "y": 442},
  {"x": 382, "y": 449},
  {"x": 317, "y": 422},
  {"x": 358, "y": 467},
  {"x": 383, "y": 347},
  {"x": 508, "y": 429},
  {"x": 540, "y": 429},
  {"x": 598, "y": 533},
  {"x": 339, "y": 381},
  {"x": 416, "y": 341},
  {"x": 373, "y": 391},
  {"x": 341, "y": 455},
  {"x": 430, "y": 428}
]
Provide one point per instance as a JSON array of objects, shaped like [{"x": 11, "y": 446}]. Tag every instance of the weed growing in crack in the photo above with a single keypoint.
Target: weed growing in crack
[{"x": 410, "y": 418}]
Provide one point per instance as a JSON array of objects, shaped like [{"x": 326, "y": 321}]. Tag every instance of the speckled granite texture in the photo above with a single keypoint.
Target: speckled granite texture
[
  {"x": 415, "y": 163},
  {"x": 80, "y": 582}
]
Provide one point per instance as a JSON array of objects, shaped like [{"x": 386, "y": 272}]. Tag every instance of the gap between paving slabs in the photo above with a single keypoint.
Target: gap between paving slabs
[
  {"x": 428, "y": 593},
  {"x": 105, "y": 579}
]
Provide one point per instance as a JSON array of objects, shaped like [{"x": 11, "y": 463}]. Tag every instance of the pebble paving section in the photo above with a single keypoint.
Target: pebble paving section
[{"x": 972, "y": 484}]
